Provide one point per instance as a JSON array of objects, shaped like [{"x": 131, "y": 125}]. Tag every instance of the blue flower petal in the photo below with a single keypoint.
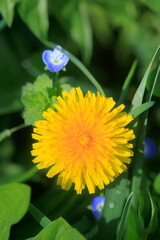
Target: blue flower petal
[
  {"x": 57, "y": 51},
  {"x": 55, "y": 60},
  {"x": 97, "y": 206},
  {"x": 54, "y": 67},
  {"x": 47, "y": 56},
  {"x": 150, "y": 148}
]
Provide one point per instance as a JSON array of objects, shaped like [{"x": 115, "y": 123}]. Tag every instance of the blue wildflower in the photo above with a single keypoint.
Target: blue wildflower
[
  {"x": 55, "y": 60},
  {"x": 150, "y": 148},
  {"x": 97, "y": 206}
]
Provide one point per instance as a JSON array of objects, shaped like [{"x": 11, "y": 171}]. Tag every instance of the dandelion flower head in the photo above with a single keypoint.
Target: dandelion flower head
[
  {"x": 85, "y": 141},
  {"x": 55, "y": 60}
]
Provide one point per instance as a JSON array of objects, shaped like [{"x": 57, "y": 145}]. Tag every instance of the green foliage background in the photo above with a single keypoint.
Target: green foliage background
[{"x": 106, "y": 36}]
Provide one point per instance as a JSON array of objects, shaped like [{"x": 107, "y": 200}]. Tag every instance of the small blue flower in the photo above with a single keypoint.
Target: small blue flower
[
  {"x": 55, "y": 60},
  {"x": 150, "y": 148},
  {"x": 97, "y": 206}
]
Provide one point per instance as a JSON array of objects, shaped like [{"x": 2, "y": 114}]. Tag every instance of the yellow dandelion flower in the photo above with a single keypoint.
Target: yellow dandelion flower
[{"x": 84, "y": 140}]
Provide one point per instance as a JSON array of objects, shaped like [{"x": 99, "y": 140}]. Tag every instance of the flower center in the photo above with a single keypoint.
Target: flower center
[
  {"x": 100, "y": 207},
  {"x": 56, "y": 61},
  {"x": 56, "y": 57},
  {"x": 85, "y": 139}
]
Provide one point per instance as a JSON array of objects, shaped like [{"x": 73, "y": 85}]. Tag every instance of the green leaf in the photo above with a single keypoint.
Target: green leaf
[
  {"x": 134, "y": 228},
  {"x": 124, "y": 217},
  {"x": 152, "y": 4},
  {"x": 36, "y": 98},
  {"x": 59, "y": 230},
  {"x": 7, "y": 10},
  {"x": 35, "y": 14},
  {"x": 39, "y": 96},
  {"x": 14, "y": 202},
  {"x": 114, "y": 201},
  {"x": 35, "y": 104},
  {"x": 154, "y": 217},
  {"x": 137, "y": 111},
  {"x": 156, "y": 184}
]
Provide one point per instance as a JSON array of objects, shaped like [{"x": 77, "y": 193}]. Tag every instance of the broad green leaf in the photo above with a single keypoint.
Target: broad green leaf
[
  {"x": 154, "y": 217},
  {"x": 152, "y": 4},
  {"x": 35, "y": 103},
  {"x": 115, "y": 198},
  {"x": 137, "y": 111},
  {"x": 59, "y": 230},
  {"x": 39, "y": 216},
  {"x": 127, "y": 83},
  {"x": 124, "y": 217},
  {"x": 37, "y": 97},
  {"x": 156, "y": 184},
  {"x": 7, "y": 10},
  {"x": 14, "y": 203},
  {"x": 35, "y": 14}
]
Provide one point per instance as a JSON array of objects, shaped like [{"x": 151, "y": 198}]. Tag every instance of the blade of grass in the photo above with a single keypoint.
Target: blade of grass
[
  {"x": 154, "y": 217},
  {"x": 141, "y": 130},
  {"x": 123, "y": 221},
  {"x": 81, "y": 66},
  {"x": 39, "y": 216},
  {"x": 127, "y": 83},
  {"x": 138, "y": 97},
  {"x": 138, "y": 110},
  {"x": 153, "y": 83}
]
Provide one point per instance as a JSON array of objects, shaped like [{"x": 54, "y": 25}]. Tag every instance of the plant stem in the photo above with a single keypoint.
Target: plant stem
[
  {"x": 26, "y": 176},
  {"x": 81, "y": 66},
  {"x": 8, "y": 132},
  {"x": 56, "y": 78},
  {"x": 39, "y": 216}
]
